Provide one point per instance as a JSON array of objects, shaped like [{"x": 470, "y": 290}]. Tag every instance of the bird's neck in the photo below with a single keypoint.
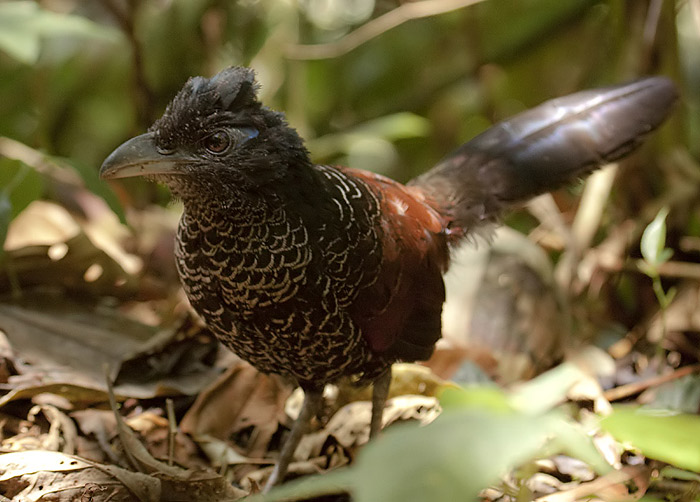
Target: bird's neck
[
  {"x": 232, "y": 208},
  {"x": 207, "y": 199}
]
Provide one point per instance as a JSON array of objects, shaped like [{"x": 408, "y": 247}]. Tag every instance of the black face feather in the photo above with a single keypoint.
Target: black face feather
[{"x": 218, "y": 132}]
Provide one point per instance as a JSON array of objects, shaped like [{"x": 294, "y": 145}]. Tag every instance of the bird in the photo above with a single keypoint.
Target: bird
[{"x": 321, "y": 272}]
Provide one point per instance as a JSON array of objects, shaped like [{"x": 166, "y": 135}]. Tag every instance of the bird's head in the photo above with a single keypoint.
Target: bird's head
[{"x": 214, "y": 135}]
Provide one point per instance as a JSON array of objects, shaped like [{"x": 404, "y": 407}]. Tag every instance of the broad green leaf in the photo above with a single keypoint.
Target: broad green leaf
[
  {"x": 571, "y": 439},
  {"x": 314, "y": 486},
  {"x": 388, "y": 129},
  {"x": 551, "y": 388},
  {"x": 659, "y": 434},
  {"x": 483, "y": 433},
  {"x": 489, "y": 398},
  {"x": 654, "y": 240},
  {"x": 547, "y": 390},
  {"x": 445, "y": 460},
  {"x": 20, "y": 183},
  {"x": 19, "y": 36},
  {"x": 454, "y": 458},
  {"x": 24, "y": 24}
]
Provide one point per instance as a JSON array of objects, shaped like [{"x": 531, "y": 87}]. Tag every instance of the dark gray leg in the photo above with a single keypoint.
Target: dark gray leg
[
  {"x": 379, "y": 395},
  {"x": 310, "y": 408}
]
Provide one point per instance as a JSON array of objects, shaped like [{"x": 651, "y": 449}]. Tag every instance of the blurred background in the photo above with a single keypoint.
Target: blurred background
[
  {"x": 379, "y": 84},
  {"x": 385, "y": 85}
]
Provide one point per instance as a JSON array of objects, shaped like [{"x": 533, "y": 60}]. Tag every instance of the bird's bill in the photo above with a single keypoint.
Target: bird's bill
[{"x": 138, "y": 157}]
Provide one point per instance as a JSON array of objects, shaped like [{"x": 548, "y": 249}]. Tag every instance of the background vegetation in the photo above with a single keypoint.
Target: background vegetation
[{"x": 390, "y": 86}]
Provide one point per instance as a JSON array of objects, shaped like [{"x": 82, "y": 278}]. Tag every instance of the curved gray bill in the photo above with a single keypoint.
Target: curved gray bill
[{"x": 137, "y": 157}]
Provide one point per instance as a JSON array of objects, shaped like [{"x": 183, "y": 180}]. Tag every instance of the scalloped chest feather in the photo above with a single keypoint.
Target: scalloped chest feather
[{"x": 277, "y": 291}]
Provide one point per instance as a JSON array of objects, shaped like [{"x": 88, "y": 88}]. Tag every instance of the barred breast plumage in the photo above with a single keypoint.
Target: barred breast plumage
[{"x": 276, "y": 290}]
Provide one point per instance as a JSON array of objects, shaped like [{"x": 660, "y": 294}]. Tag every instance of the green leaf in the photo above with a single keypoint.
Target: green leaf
[
  {"x": 570, "y": 438},
  {"x": 19, "y": 183},
  {"x": 489, "y": 398},
  {"x": 551, "y": 388},
  {"x": 388, "y": 129},
  {"x": 24, "y": 24},
  {"x": 654, "y": 240},
  {"x": 397, "y": 126},
  {"x": 446, "y": 460},
  {"x": 659, "y": 434},
  {"x": 675, "y": 473},
  {"x": 19, "y": 37},
  {"x": 329, "y": 483},
  {"x": 478, "y": 438}
]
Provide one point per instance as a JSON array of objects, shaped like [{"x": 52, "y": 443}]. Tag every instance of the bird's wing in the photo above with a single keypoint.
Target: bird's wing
[{"x": 400, "y": 313}]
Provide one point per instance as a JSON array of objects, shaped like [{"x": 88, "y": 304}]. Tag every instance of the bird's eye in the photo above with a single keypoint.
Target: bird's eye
[
  {"x": 218, "y": 142},
  {"x": 165, "y": 149}
]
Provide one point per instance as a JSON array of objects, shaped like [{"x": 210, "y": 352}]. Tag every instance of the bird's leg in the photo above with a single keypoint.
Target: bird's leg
[
  {"x": 312, "y": 404},
  {"x": 380, "y": 391}
]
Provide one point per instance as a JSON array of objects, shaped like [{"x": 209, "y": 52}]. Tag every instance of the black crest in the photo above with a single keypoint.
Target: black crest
[
  {"x": 235, "y": 87},
  {"x": 232, "y": 90}
]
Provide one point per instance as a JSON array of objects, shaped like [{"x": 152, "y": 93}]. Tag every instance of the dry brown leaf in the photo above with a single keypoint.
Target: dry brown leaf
[
  {"x": 98, "y": 428},
  {"x": 62, "y": 433},
  {"x": 221, "y": 453},
  {"x": 406, "y": 378},
  {"x": 176, "y": 483},
  {"x": 35, "y": 475},
  {"x": 241, "y": 398},
  {"x": 350, "y": 425},
  {"x": 47, "y": 247},
  {"x": 68, "y": 342},
  {"x": 627, "y": 484},
  {"x": 51, "y": 330}
]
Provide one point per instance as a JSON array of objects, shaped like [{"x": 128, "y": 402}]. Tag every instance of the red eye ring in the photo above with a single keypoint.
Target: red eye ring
[{"x": 217, "y": 142}]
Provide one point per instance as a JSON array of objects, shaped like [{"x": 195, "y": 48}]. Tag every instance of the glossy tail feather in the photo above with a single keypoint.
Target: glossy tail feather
[{"x": 543, "y": 149}]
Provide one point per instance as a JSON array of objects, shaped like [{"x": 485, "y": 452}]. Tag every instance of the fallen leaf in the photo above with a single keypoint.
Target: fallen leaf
[{"x": 239, "y": 399}]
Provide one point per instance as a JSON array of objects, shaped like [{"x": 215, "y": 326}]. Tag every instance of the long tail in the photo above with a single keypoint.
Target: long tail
[{"x": 543, "y": 149}]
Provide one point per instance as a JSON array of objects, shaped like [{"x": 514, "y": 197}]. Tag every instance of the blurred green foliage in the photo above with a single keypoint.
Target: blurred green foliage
[
  {"x": 481, "y": 434},
  {"x": 78, "y": 77},
  {"x": 674, "y": 438}
]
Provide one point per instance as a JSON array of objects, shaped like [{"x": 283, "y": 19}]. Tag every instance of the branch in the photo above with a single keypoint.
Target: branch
[
  {"x": 142, "y": 91},
  {"x": 376, "y": 27}
]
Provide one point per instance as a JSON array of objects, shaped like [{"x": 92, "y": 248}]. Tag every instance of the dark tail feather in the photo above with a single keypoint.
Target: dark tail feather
[{"x": 544, "y": 148}]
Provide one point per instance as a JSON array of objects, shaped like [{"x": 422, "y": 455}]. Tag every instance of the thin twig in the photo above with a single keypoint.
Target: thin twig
[
  {"x": 586, "y": 223},
  {"x": 651, "y": 24},
  {"x": 633, "y": 388},
  {"x": 377, "y": 26},
  {"x": 675, "y": 269},
  {"x": 172, "y": 429},
  {"x": 586, "y": 491}
]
